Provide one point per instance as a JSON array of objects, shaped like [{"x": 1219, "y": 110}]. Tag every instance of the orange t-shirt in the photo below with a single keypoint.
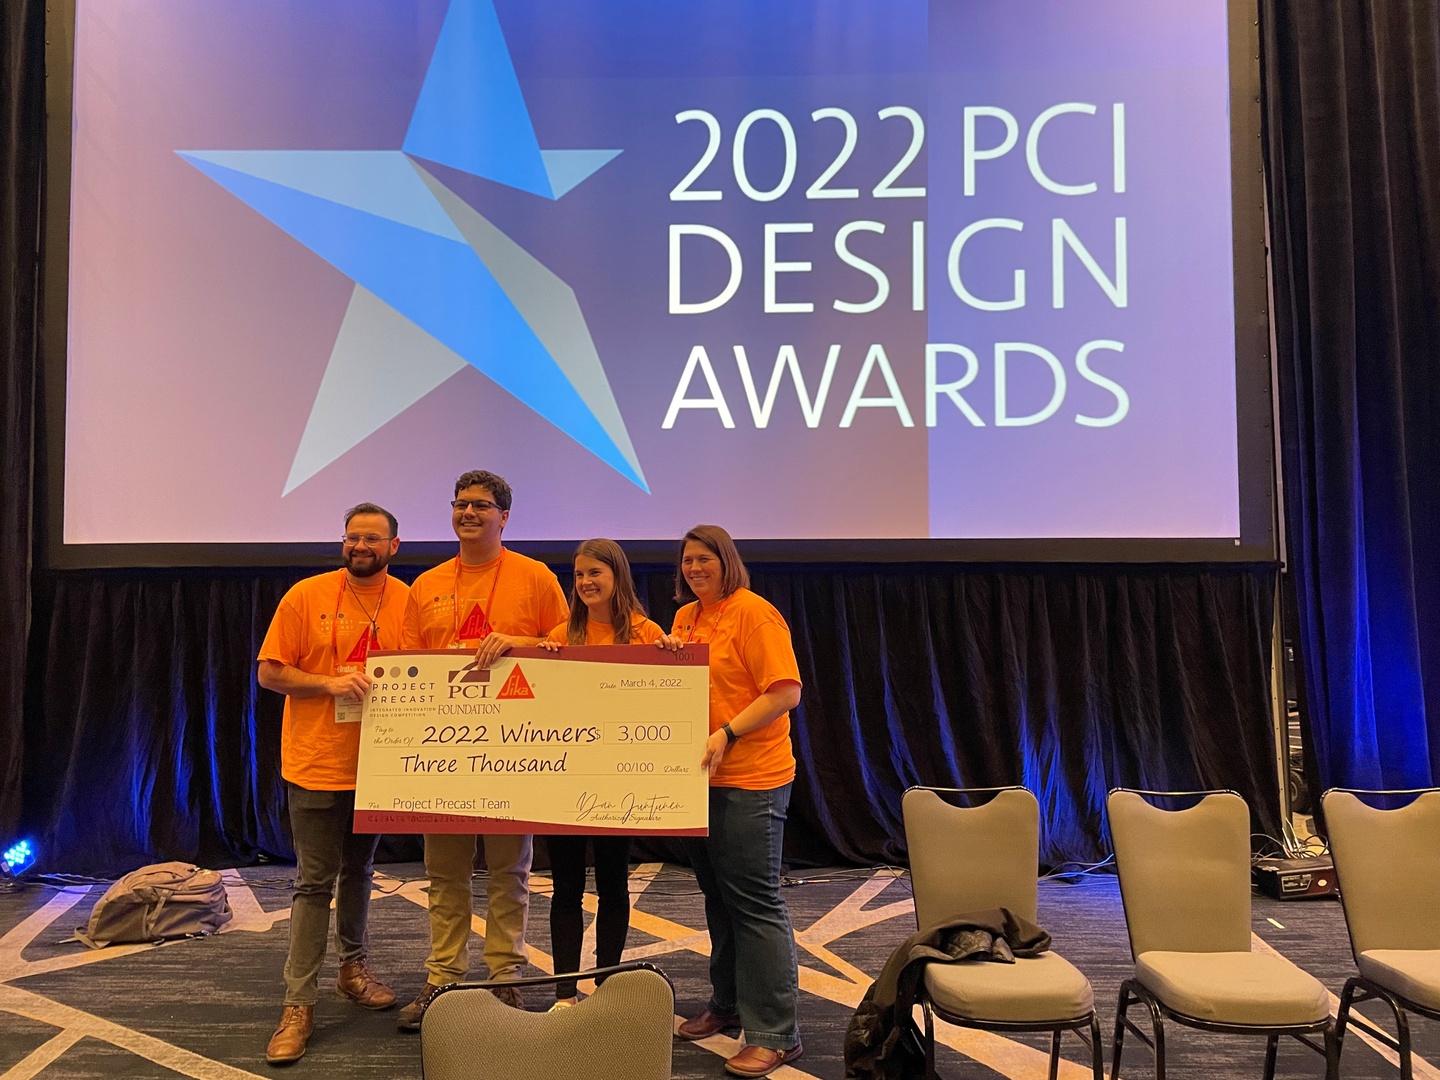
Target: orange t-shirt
[
  {"x": 323, "y": 628},
  {"x": 750, "y": 651},
  {"x": 510, "y": 594},
  {"x": 642, "y": 632}
]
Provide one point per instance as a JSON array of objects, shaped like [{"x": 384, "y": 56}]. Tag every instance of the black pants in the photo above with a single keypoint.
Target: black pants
[{"x": 567, "y": 919}]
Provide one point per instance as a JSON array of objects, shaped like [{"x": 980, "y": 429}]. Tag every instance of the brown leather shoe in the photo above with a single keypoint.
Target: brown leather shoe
[
  {"x": 288, "y": 1042},
  {"x": 510, "y": 995},
  {"x": 705, "y": 1025},
  {"x": 761, "y": 1060},
  {"x": 363, "y": 988},
  {"x": 412, "y": 1014}
]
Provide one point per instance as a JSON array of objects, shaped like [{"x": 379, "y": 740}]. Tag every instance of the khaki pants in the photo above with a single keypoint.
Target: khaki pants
[{"x": 449, "y": 863}]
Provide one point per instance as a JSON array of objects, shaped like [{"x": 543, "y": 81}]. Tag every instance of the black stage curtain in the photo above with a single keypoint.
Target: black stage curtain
[
  {"x": 1352, "y": 108},
  {"x": 22, "y": 111},
  {"x": 150, "y": 739}
]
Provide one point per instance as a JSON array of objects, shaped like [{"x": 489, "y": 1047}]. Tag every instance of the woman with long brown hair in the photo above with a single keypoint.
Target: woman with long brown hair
[
  {"x": 754, "y": 683},
  {"x": 604, "y": 610}
]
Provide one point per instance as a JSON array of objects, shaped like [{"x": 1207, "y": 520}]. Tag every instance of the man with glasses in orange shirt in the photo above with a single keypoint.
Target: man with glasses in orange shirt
[
  {"x": 487, "y": 600},
  {"x": 314, "y": 653}
]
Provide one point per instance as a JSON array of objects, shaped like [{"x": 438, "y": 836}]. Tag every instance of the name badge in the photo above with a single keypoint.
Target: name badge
[{"x": 348, "y": 712}]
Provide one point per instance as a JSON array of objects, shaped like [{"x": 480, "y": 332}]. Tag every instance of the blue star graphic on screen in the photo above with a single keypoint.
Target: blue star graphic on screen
[{"x": 437, "y": 285}]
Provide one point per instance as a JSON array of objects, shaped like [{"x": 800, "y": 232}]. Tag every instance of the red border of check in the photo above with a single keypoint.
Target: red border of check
[
  {"x": 696, "y": 654},
  {"x": 413, "y": 821}
]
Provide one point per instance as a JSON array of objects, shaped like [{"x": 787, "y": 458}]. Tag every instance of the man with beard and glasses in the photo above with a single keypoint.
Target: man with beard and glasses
[{"x": 314, "y": 654}]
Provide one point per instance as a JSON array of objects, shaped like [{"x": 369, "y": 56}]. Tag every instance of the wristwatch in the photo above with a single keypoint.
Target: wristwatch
[{"x": 729, "y": 732}]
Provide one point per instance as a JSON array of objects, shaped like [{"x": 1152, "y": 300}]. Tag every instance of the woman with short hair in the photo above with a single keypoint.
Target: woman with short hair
[{"x": 754, "y": 683}]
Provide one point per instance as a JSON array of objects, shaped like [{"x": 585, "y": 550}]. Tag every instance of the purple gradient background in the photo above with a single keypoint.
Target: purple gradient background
[
  {"x": 199, "y": 332},
  {"x": 1169, "y": 467}
]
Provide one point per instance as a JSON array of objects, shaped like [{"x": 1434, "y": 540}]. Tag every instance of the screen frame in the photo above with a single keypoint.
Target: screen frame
[{"x": 1257, "y": 480}]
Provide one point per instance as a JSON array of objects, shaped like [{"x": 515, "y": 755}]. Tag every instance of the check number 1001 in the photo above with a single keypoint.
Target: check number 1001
[{"x": 647, "y": 733}]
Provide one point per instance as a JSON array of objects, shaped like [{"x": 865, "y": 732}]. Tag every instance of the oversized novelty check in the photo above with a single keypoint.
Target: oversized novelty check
[{"x": 591, "y": 739}]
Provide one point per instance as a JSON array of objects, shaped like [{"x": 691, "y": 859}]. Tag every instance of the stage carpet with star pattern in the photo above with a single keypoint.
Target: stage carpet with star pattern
[{"x": 204, "y": 1008}]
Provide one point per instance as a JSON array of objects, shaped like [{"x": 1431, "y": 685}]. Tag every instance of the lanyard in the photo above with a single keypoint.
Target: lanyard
[
  {"x": 373, "y": 620},
  {"x": 494, "y": 587},
  {"x": 695, "y": 623}
]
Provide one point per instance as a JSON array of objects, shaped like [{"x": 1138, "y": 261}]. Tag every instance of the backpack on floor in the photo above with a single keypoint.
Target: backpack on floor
[{"x": 164, "y": 900}]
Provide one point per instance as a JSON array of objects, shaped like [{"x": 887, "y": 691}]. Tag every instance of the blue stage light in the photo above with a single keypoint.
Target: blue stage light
[{"x": 18, "y": 858}]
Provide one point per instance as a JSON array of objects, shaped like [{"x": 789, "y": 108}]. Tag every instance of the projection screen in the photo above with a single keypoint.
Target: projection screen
[{"x": 854, "y": 279}]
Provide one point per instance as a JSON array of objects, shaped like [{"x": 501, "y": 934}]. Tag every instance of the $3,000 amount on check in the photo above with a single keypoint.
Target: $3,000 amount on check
[{"x": 602, "y": 739}]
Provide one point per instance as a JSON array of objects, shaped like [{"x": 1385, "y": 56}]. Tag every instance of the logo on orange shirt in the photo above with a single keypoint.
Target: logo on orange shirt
[
  {"x": 516, "y": 686},
  {"x": 476, "y": 625},
  {"x": 361, "y": 652}
]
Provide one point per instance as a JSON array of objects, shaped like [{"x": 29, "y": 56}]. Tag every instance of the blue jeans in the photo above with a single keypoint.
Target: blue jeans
[{"x": 753, "y": 970}]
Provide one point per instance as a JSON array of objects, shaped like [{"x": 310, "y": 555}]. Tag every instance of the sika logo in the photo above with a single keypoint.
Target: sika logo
[
  {"x": 470, "y": 683},
  {"x": 516, "y": 686},
  {"x": 361, "y": 652},
  {"x": 438, "y": 285},
  {"x": 476, "y": 627}
]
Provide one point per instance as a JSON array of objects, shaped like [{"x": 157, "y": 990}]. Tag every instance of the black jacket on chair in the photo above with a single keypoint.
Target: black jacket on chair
[{"x": 881, "y": 1042}]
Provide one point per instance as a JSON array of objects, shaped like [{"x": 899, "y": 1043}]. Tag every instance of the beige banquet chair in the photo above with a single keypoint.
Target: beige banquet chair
[
  {"x": 974, "y": 858},
  {"x": 1185, "y": 885},
  {"x": 623, "y": 1031},
  {"x": 1387, "y": 863}
]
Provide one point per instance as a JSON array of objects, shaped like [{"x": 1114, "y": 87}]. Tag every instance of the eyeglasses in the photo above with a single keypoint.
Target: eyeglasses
[
  {"x": 369, "y": 539},
  {"x": 480, "y": 505}
]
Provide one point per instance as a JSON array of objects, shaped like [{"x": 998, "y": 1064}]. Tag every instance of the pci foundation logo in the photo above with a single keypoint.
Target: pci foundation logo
[
  {"x": 473, "y": 683},
  {"x": 437, "y": 285},
  {"x": 469, "y": 682}
]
